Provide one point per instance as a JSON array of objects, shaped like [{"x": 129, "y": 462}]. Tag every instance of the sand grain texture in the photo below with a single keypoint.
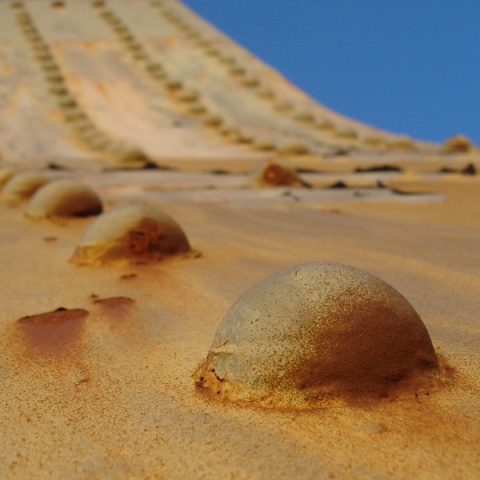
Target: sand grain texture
[{"x": 118, "y": 400}]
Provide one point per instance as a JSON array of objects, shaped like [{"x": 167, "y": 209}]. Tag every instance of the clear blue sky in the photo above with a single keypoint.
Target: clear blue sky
[{"x": 408, "y": 66}]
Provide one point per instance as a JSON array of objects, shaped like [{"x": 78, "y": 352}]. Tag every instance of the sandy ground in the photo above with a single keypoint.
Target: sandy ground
[{"x": 110, "y": 394}]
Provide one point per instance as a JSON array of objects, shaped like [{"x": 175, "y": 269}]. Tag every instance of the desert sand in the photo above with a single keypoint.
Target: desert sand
[{"x": 98, "y": 361}]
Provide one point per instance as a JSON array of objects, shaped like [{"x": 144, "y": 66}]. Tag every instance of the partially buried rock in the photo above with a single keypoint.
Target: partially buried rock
[
  {"x": 64, "y": 198},
  {"x": 458, "y": 144},
  {"x": 136, "y": 233},
  {"x": 22, "y": 186},
  {"x": 293, "y": 147},
  {"x": 273, "y": 174},
  {"x": 318, "y": 332},
  {"x": 5, "y": 175}
]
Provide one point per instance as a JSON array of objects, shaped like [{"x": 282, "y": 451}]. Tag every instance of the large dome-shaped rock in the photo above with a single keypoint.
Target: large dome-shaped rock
[
  {"x": 64, "y": 198},
  {"x": 135, "y": 232},
  {"x": 315, "y": 332}
]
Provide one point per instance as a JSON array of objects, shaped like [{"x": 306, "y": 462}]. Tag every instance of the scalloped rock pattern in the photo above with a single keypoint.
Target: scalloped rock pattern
[{"x": 147, "y": 81}]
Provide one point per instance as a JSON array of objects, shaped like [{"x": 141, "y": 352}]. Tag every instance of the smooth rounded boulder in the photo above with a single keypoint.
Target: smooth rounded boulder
[{"x": 314, "y": 332}]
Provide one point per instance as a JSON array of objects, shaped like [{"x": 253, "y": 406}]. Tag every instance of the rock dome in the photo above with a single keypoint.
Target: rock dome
[{"x": 318, "y": 331}]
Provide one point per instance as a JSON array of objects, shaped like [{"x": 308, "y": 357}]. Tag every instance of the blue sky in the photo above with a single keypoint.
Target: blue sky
[{"x": 408, "y": 66}]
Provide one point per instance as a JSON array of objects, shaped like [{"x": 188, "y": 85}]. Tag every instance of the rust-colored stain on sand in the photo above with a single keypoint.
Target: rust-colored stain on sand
[
  {"x": 169, "y": 41},
  {"x": 114, "y": 302},
  {"x": 6, "y": 69},
  {"x": 55, "y": 332},
  {"x": 102, "y": 88},
  {"x": 128, "y": 276},
  {"x": 115, "y": 309}
]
